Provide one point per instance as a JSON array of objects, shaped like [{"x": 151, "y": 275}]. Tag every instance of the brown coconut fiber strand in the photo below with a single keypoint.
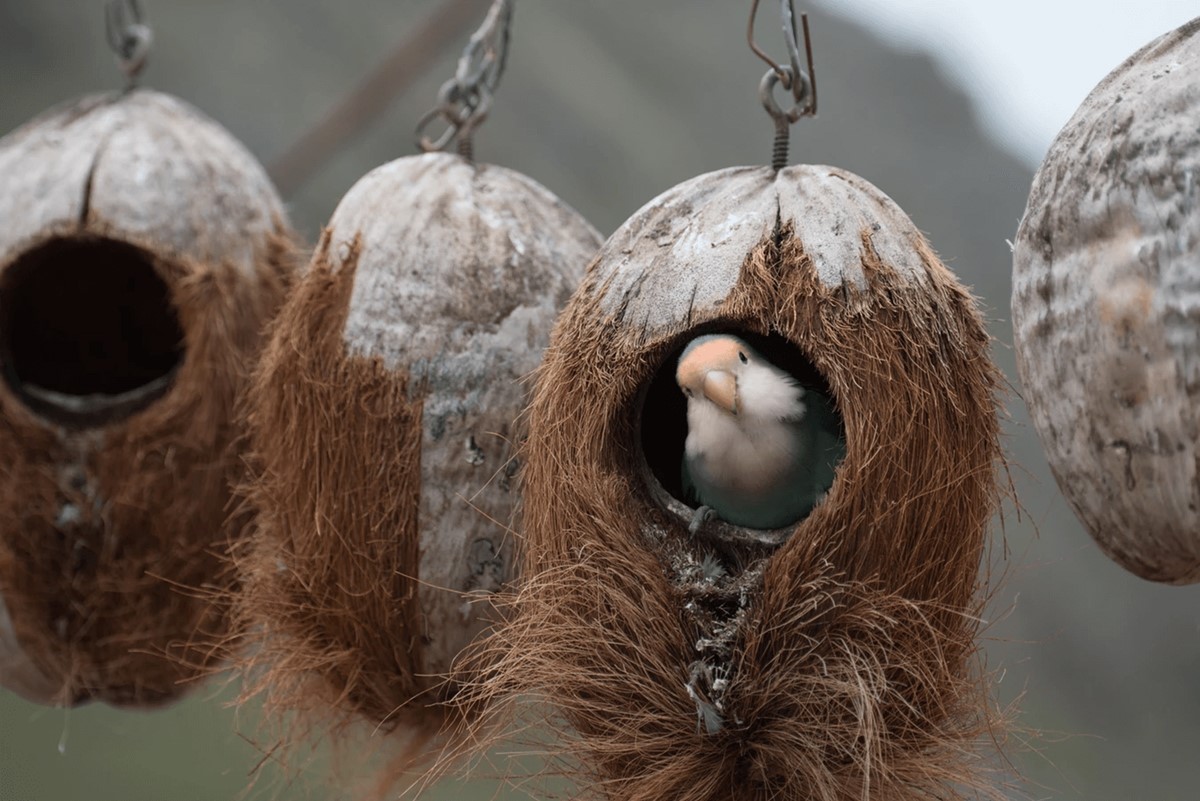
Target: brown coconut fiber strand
[
  {"x": 854, "y": 671},
  {"x": 327, "y": 603},
  {"x": 123, "y": 599}
]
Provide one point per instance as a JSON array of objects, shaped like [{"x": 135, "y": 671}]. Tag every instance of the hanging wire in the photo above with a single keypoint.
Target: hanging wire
[
  {"x": 793, "y": 77},
  {"x": 465, "y": 100},
  {"x": 129, "y": 36}
]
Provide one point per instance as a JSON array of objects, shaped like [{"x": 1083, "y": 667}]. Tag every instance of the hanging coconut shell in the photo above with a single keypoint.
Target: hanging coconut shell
[
  {"x": 832, "y": 658},
  {"x": 142, "y": 250},
  {"x": 1105, "y": 285},
  {"x": 383, "y": 438}
]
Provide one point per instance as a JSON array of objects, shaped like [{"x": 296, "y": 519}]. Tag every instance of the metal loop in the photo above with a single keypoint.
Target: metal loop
[
  {"x": 766, "y": 94},
  {"x": 478, "y": 113},
  {"x": 758, "y": 51},
  {"x": 804, "y": 91},
  {"x": 129, "y": 37},
  {"x": 465, "y": 100},
  {"x": 799, "y": 82},
  {"x": 428, "y": 145},
  {"x": 486, "y": 54}
]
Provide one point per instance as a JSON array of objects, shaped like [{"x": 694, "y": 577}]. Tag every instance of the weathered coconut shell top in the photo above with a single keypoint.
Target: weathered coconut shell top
[
  {"x": 97, "y": 164},
  {"x": 703, "y": 229},
  {"x": 1106, "y": 294},
  {"x": 460, "y": 272},
  {"x": 149, "y": 170}
]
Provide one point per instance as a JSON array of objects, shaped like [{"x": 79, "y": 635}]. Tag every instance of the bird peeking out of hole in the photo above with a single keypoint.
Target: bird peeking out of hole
[{"x": 761, "y": 449}]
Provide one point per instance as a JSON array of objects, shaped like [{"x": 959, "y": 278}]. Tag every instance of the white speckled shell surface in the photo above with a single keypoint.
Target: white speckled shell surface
[
  {"x": 95, "y": 166},
  {"x": 461, "y": 271},
  {"x": 1106, "y": 309},
  {"x": 705, "y": 227}
]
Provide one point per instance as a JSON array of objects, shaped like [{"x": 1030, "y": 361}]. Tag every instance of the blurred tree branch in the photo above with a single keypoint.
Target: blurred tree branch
[{"x": 365, "y": 102}]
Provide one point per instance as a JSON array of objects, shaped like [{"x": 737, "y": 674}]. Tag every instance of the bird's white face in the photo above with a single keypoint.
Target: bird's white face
[
  {"x": 708, "y": 370},
  {"x": 723, "y": 372}
]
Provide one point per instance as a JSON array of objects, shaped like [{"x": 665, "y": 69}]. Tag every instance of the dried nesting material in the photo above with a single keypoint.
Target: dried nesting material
[
  {"x": 383, "y": 435},
  {"x": 831, "y": 659},
  {"x": 142, "y": 249},
  {"x": 1105, "y": 289}
]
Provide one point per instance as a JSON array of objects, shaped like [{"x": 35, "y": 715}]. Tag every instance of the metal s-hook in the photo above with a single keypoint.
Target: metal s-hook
[
  {"x": 465, "y": 100},
  {"x": 799, "y": 81},
  {"x": 129, "y": 36},
  {"x": 486, "y": 54}
]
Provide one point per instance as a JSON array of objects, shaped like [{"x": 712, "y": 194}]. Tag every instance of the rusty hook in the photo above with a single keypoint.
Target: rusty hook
[
  {"x": 465, "y": 99},
  {"x": 129, "y": 36},
  {"x": 794, "y": 78},
  {"x": 804, "y": 91}
]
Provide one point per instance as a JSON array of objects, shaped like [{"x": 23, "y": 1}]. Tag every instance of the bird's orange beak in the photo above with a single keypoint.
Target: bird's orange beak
[{"x": 720, "y": 387}]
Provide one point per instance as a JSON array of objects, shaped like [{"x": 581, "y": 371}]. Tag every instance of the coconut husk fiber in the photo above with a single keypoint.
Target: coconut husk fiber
[
  {"x": 838, "y": 654},
  {"x": 142, "y": 251},
  {"x": 383, "y": 438},
  {"x": 1104, "y": 298}
]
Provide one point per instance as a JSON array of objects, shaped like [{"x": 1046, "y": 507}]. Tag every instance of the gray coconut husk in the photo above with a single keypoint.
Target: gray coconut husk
[
  {"x": 836, "y": 659},
  {"x": 114, "y": 518},
  {"x": 1104, "y": 297},
  {"x": 383, "y": 433}
]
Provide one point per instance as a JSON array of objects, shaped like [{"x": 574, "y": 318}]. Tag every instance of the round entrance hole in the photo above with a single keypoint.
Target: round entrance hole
[
  {"x": 88, "y": 332},
  {"x": 664, "y": 428}
]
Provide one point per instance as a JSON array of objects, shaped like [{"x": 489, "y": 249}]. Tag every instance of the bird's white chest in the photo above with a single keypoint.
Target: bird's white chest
[{"x": 740, "y": 454}]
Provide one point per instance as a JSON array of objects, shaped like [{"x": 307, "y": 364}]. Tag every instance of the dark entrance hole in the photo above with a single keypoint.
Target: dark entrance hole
[
  {"x": 663, "y": 423},
  {"x": 88, "y": 333}
]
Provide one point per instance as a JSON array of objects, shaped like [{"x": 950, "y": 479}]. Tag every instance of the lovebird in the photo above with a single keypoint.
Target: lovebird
[{"x": 761, "y": 449}]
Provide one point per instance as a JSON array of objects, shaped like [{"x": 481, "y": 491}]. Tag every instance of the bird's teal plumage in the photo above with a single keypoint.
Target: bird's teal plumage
[{"x": 769, "y": 461}]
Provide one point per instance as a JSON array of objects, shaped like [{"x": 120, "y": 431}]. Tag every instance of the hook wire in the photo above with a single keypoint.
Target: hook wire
[
  {"x": 129, "y": 36},
  {"x": 784, "y": 78},
  {"x": 465, "y": 100},
  {"x": 794, "y": 77}
]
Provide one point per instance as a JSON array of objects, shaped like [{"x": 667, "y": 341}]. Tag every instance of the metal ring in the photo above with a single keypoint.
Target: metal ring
[
  {"x": 465, "y": 99},
  {"x": 766, "y": 94},
  {"x": 129, "y": 37},
  {"x": 428, "y": 145}
]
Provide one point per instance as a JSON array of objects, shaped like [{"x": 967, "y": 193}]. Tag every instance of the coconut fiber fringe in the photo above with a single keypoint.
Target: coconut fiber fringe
[
  {"x": 841, "y": 665},
  {"x": 328, "y": 603},
  {"x": 123, "y": 597}
]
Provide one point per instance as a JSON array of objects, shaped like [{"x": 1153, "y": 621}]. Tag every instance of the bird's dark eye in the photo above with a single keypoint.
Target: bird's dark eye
[{"x": 742, "y": 356}]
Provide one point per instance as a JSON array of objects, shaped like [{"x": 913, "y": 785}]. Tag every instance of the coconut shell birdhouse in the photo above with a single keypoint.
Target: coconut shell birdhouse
[
  {"x": 690, "y": 647},
  {"x": 828, "y": 657},
  {"x": 1106, "y": 267},
  {"x": 142, "y": 251},
  {"x": 384, "y": 436}
]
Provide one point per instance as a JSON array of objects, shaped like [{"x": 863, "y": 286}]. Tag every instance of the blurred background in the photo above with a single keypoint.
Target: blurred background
[{"x": 947, "y": 107}]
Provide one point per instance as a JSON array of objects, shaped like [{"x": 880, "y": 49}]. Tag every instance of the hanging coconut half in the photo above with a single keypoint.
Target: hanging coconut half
[
  {"x": 830, "y": 657},
  {"x": 1105, "y": 289},
  {"x": 383, "y": 437},
  {"x": 142, "y": 250}
]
